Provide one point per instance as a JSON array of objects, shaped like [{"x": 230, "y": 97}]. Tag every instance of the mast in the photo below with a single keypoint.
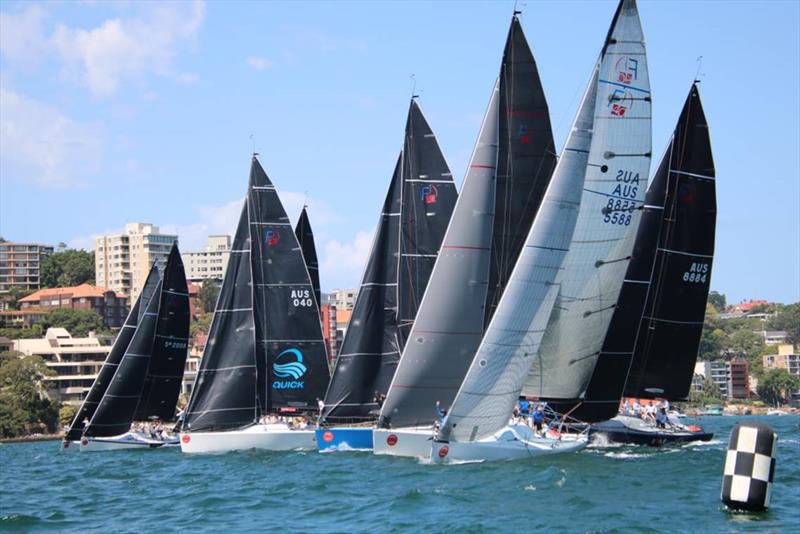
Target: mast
[
  {"x": 613, "y": 194},
  {"x": 306, "y": 238},
  {"x": 101, "y": 382},
  {"x": 495, "y": 378},
  {"x": 415, "y": 215},
  {"x": 526, "y": 159},
  {"x": 115, "y": 412},
  {"x": 292, "y": 361},
  {"x": 449, "y": 324},
  {"x": 162, "y": 384}
]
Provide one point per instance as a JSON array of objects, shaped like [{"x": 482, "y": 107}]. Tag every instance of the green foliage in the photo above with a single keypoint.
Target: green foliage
[
  {"x": 200, "y": 324},
  {"x": 717, "y": 300},
  {"x": 710, "y": 394},
  {"x": 24, "y": 404},
  {"x": 66, "y": 414},
  {"x": 67, "y": 268},
  {"x": 22, "y": 333},
  {"x": 775, "y": 385},
  {"x": 208, "y": 295},
  {"x": 788, "y": 319},
  {"x": 14, "y": 294},
  {"x": 77, "y": 322}
]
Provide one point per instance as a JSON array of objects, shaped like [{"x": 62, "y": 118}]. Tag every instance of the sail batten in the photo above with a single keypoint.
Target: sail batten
[
  {"x": 415, "y": 214},
  {"x": 617, "y": 168}
]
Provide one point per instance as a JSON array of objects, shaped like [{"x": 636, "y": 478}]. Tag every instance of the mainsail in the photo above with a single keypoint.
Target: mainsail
[
  {"x": 614, "y": 188},
  {"x": 415, "y": 215},
  {"x": 449, "y": 325},
  {"x": 162, "y": 384},
  {"x": 103, "y": 379},
  {"x": 306, "y": 238},
  {"x": 525, "y": 162},
  {"x": 265, "y": 349},
  {"x": 672, "y": 324},
  {"x": 494, "y": 380},
  {"x": 116, "y": 410}
]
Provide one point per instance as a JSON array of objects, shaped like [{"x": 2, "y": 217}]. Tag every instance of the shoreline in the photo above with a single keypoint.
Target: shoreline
[{"x": 33, "y": 438}]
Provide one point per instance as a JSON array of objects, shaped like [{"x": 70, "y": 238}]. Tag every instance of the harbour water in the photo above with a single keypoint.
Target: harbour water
[{"x": 609, "y": 489}]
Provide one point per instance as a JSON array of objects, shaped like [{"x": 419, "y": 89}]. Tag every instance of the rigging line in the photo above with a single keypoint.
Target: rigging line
[{"x": 697, "y": 74}]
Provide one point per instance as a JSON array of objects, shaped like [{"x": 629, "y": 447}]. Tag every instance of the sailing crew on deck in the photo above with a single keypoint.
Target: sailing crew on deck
[
  {"x": 440, "y": 416},
  {"x": 538, "y": 419},
  {"x": 661, "y": 418}
]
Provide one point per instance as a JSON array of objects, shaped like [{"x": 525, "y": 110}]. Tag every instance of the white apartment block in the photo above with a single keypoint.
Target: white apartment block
[
  {"x": 20, "y": 265},
  {"x": 122, "y": 261},
  {"x": 209, "y": 263},
  {"x": 344, "y": 299}
]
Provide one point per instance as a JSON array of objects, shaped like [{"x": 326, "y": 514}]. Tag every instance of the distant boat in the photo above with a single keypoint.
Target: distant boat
[
  {"x": 265, "y": 362},
  {"x": 143, "y": 383},
  {"x": 556, "y": 256},
  {"x": 506, "y": 180},
  {"x": 712, "y": 409},
  {"x": 414, "y": 217},
  {"x": 777, "y": 412}
]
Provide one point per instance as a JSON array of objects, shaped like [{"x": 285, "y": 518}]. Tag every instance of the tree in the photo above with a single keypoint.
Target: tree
[
  {"x": 200, "y": 324},
  {"x": 717, "y": 300},
  {"x": 66, "y": 414},
  {"x": 24, "y": 404},
  {"x": 67, "y": 268},
  {"x": 77, "y": 322},
  {"x": 208, "y": 295},
  {"x": 776, "y": 384},
  {"x": 788, "y": 319},
  {"x": 13, "y": 296},
  {"x": 709, "y": 394}
]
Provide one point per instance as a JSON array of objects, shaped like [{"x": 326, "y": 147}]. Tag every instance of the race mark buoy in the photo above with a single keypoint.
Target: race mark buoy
[{"x": 749, "y": 467}]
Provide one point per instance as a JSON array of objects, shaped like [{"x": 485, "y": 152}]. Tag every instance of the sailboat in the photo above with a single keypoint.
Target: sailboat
[
  {"x": 415, "y": 215},
  {"x": 510, "y": 167},
  {"x": 665, "y": 293},
  {"x": 305, "y": 236},
  {"x": 265, "y": 363},
  {"x": 569, "y": 241},
  {"x": 145, "y": 382}
]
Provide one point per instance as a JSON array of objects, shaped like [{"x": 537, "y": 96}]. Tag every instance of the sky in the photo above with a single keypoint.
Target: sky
[{"x": 114, "y": 112}]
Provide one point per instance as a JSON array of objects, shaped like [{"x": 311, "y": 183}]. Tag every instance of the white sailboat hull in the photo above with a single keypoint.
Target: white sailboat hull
[
  {"x": 514, "y": 442},
  {"x": 129, "y": 440},
  {"x": 265, "y": 437},
  {"x": 406, "y": 442}
]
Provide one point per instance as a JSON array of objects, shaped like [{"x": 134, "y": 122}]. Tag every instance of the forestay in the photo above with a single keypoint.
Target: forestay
[
  {"x": 492, "y": 385},
  {"x": 616, "y": 176}
]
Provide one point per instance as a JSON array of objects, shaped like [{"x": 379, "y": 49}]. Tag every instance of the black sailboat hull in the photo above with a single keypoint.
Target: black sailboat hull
[{"x": 618, "y": 432}]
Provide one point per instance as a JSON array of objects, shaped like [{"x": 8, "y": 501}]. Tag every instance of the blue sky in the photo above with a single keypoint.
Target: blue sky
[{"x": 114, "y": 112}]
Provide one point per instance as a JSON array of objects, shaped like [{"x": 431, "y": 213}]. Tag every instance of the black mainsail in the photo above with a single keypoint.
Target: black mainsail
[
  {"x": 103, "y": 379},
  {"x": 265, "y": 350},
  {"x": 162, "y": 385},
  {"x": 413, "y": 221},
  {"x": 655, "y": 331},
  {"x": 116, "y": 410},
  {"x": 306, "y": 238},
  {"x": 525, "y": 162}
]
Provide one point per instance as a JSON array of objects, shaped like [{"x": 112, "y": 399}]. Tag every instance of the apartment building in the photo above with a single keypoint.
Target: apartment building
[
  {"x": 328, "y": 314},
  {"x": 106, "y": 303},
  {"x": 731, "y": 377},
  {"x": 788, "y": 357},
  {"x": 122, "y": 261},
  {"x": 20, "y": 265},
  {"x": 209, "y": 263}
]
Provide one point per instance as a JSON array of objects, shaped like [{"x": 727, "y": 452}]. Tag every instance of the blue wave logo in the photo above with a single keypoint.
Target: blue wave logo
[{"x": 292, "y": 369}]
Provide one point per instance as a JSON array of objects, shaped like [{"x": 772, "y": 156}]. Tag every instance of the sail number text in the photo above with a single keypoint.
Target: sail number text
[
  {"x": 302, "y": 298},
  {"x": 697, "y": 273},
  {"x": 619, "y": 208}
]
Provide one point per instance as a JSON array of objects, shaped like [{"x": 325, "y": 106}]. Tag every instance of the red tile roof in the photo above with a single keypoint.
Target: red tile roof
[{"x": 83, "y": 290}]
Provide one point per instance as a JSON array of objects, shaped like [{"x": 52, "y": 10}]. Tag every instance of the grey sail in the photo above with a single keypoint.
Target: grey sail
[
  {"x": 115, "y": 412},
  {"x": 100, "y": 384},
  {"x": 496, "y": 375},
  {"x": 613, "y": 194},
  {"x": 415, "y": 216},
  {"x": 449, "y": 325}
]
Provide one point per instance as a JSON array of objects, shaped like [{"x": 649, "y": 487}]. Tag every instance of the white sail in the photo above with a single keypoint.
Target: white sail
[
  {"x": 487, "y": 396},
  {"x": 616, "y": 180},
  {"x": 449, "y": 323}
]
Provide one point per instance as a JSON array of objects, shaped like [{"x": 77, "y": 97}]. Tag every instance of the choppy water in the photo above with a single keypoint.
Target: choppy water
[{"x": 597, "y": 490}]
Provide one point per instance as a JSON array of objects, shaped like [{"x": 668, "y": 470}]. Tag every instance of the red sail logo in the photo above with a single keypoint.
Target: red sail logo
[{"x": 273, "y": 237}]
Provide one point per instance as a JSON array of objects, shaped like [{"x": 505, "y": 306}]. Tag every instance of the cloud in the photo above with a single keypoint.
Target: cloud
[
  {"x": 41, "y": 144},
  {"x": 119, "y": 49},
  {"x": 342, "y": 263},
  {"x": 22, "y": 41},
  {"x": 260, "y": 63}
]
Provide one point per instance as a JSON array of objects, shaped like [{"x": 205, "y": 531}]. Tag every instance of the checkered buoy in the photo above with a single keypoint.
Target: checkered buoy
[{"x": 749, "y": 467}]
